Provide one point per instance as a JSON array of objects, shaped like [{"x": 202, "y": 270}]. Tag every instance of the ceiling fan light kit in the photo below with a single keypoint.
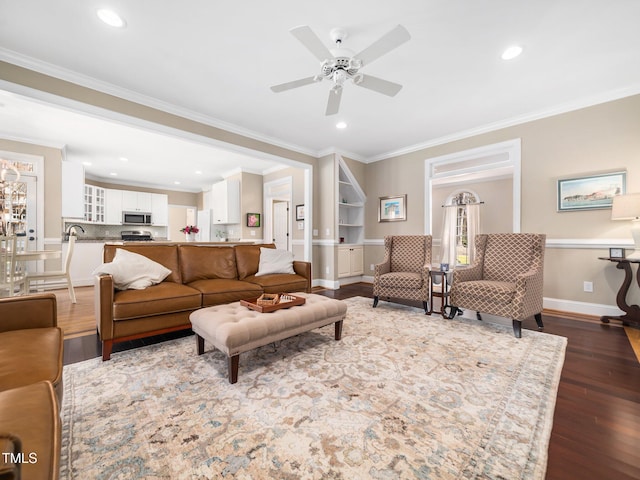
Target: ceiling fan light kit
[{"x": 340, "y": 64}]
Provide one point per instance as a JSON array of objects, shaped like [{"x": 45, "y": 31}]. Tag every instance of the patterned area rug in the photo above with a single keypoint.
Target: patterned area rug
[{"x": 402, "y": 395}]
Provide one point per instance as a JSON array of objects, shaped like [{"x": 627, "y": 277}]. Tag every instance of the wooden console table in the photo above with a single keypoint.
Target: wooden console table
[{"x": 632, "y": 312}]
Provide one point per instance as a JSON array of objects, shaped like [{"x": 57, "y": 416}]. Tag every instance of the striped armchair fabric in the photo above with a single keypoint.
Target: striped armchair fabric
[
  {"x": 505, "y": 278},
  {"x": 404, "y": 272}
]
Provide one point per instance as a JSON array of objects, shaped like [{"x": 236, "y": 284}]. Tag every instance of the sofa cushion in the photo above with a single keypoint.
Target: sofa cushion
[
  {"x": 31, "y": 355},
  {"x": 279, "y": 282},
  {"x": 408, "y": 280},
  {"x": 31, "y": 413},
  {"x": 132, "y": 271},
  {"x": 165, "y": 297},
  {"x": 219, "y": 291},
  {"x": 199, "y": 262},
  {"x": 273, "y": 260},
  {"x": 166, "y": 255},
  {"x": 487, "y": 290},
  {"x": 248, "y": 259}
]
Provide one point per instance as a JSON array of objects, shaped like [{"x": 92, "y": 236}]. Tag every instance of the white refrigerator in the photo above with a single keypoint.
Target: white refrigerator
[{"x": 204, "y": 224}]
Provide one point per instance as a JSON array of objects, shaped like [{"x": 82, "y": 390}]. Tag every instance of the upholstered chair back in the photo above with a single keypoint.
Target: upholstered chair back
[
  {"x": 507, "y": 255},
  {"x": 407, "y": 252}
]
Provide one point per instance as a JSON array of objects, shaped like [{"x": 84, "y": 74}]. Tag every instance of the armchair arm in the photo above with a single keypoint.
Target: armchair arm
[
  {"x": 32, "y": 311},
  {"x": 103, "y": 296},
  {"x": 304, "y": 270},
  {"x": 382, "y": 268},
  {"x": 467, "y": 274},
  {"x": 426, "y": 268},
  {"x": 528, "y": 298}
]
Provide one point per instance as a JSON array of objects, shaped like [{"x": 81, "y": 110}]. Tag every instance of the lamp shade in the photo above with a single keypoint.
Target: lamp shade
[{"x": 626, "y": 207}]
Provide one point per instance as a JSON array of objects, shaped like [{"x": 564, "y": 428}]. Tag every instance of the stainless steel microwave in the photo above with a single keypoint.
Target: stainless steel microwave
[{"x": 136, "y": 218}]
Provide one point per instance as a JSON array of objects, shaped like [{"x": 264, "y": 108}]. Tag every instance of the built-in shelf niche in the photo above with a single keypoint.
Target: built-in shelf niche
[{"x": 351, "y": 199}]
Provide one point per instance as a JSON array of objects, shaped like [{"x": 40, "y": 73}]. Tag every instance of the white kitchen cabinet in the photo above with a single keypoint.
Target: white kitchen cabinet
[
  {"x": 225, "y": 202},
  {"x": 136, "y": 201},
  {"x": 160, "y": 209},
  {"x": 113, "y": 209},
  {"x": 94, "y": 204},
  {"x": 350, "y": 260},
  {"x": 87, "y": 256},
  {"x": 72, "y": 190}
]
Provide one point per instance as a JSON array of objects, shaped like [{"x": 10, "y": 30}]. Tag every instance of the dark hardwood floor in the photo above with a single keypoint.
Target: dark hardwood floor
[{"x": 596, "y": 429}]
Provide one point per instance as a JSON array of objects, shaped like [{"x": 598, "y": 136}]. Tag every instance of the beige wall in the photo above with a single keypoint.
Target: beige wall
[
  {"x": 595, "y": 139},
  {"x": 251, "y": 202}
]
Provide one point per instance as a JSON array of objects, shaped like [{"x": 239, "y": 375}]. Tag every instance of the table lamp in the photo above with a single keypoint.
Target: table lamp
[{"x": 627, "y": 207}]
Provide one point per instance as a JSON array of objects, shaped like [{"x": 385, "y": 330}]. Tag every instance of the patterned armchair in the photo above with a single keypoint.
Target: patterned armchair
[
  {"x": 404, "y": 273},
  {"x": 505, "y": 278}
]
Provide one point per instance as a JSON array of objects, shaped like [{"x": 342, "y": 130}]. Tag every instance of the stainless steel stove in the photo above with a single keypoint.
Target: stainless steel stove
[{"x": 136, "y": 236}]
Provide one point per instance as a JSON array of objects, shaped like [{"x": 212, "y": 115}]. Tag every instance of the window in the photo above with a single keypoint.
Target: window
[{"x": 459, "y": 201}]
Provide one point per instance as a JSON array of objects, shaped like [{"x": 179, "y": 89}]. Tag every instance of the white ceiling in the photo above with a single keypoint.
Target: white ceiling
[{"x": 215, "y": 61}]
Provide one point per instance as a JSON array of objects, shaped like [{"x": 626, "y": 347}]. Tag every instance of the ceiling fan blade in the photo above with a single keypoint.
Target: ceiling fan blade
[
  {"x": 379, "y": 85},
  {"x": 312, "y": 42},
  {"x": 295, "y": 84},
  {"x": 333, "y": 103},
  {"x": 384, "y": 45}
]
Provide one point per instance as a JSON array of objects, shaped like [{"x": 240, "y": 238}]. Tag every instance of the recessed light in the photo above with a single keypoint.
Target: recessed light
[
  {"x": 124, "y": 159},
  {"x": 177, "y": 182},
  {"x": 198, "y": 172},
  {"x": 512, "y": 52},
  {"x": 111, "y": 18},
  {"x": 341, "y": 125},
  {"x": 87, "y": 163},
  {"x": 113, "y": 174}
]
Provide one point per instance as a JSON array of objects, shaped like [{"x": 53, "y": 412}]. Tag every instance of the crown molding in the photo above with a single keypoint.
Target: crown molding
[{"x": 510, "y": 122}]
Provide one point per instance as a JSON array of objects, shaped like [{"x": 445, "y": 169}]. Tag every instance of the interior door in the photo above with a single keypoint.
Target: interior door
[{"x": 281, "y": 224}]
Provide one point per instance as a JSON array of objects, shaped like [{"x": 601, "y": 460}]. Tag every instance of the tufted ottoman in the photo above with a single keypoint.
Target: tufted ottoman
[{"x": 233, "y": 328}]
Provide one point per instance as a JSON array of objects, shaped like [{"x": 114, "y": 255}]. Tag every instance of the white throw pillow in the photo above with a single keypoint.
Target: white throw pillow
[
  {"x": 131, "y": 271},
  {"x": 273, "y": 260}
]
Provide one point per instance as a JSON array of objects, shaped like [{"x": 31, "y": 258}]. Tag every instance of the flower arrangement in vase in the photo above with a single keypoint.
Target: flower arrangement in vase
[{"x": 190, "y": 232}]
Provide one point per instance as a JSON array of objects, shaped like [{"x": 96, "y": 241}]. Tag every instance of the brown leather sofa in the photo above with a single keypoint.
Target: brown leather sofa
[
  {"x": 201, "y": 276},
  {"x": 31, "y": 349}
]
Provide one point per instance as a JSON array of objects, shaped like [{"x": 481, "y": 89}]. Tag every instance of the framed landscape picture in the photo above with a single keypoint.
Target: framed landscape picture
[
  {"x": 392, "y": 208},
  {"x": 590, "y": 192}
]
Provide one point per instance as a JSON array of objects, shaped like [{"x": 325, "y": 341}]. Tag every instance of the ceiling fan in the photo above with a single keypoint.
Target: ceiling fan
[{"x": 340, "y": 64}]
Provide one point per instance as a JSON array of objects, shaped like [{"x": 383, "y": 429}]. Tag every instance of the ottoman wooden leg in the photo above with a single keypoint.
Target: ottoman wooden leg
[
  {"x": 338, "y": 334},
  {"x": 200, "y": 343},
  {"x": 233, "y": 368}
]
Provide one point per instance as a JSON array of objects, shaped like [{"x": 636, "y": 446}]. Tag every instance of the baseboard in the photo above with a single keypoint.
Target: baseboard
[
  {"x": 583, "y": 309},
  {"x": 330, "y": 284}
]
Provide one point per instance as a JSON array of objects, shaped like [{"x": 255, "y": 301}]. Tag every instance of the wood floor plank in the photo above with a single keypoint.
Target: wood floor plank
[{"x": 596, "y": 431}]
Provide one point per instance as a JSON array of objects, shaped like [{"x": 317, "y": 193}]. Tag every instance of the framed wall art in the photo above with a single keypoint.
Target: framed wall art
[
  {"x": 253, "y": 219},
  {"x": 392, "y": 208},
  {"x": 299, "y": 212},
  {"x": 590, "y": 192}
]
